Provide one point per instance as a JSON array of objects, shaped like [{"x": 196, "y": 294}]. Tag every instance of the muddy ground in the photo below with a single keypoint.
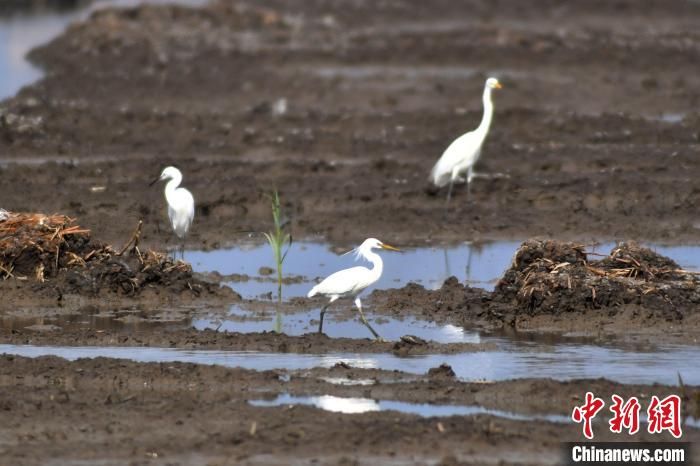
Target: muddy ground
[
  {"x": 344, "y": 107},
  {"x": 374, "y": 94},
  {"x": 87, "y": 411},
  {"x": 312, "y": 343},
  {"x": 631, "y": 296}
]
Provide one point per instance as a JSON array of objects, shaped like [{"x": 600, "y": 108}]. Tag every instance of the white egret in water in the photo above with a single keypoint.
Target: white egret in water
[
  {"x": 180, "y": 203},
  {"x": 464, "y": 151},
  {"x": 351, "y": 282}
]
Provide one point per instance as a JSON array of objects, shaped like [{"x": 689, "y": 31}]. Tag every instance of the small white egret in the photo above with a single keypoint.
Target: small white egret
[
  {"x": 180, "y": 203},
  {"x": 462, "y": 154},
  {"x": 351, "y": 282}
]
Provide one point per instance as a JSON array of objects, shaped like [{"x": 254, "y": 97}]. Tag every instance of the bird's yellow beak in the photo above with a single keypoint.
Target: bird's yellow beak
[
  {"x": 390, "y": 248},
  {"x": 498, "y": 86}
]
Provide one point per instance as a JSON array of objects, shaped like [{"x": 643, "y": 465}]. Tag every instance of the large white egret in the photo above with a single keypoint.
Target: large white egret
[
  {"x": 180, "y": 203},
  {"x": 351, "y": 282},
  {"x": 462, "y": 154}
]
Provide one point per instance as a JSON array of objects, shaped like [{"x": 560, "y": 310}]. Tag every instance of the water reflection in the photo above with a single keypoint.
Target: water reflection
[
  {"x": 476, "y": 264},
  {"x": 248, "y": 321},
  {"x": 560, "y": 362},
  {"x": 21, "y": 32},
  {"x": 121, "y": 321},
  {"x": 348, "y": 405}
]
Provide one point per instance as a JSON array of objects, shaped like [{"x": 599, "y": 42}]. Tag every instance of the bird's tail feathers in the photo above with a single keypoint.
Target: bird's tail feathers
[{"x": 437, "y": 178}]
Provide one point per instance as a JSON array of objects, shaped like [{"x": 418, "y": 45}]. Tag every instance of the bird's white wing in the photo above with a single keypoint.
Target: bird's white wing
[
  {"x": 343, "y": 282},
  {"x": 181, "y": 211},
  {"x": 189, "y": 200},
  {"x": 171, "y": 215},
  {"x": 462, "y": 153}
]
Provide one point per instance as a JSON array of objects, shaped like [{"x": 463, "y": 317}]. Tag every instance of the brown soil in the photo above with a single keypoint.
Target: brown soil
[
  {"x": 209, "y": 339},
  {"x": 44, "y": 258},
  {"x": 373, "y": 98},
  {"x": 344, "y": 107},
  {"x": 633, "y": 287},
  {"x": 88, "y": 410},
  {"x": 632, "y": 293},
  {"x": 550, "y": 277}
]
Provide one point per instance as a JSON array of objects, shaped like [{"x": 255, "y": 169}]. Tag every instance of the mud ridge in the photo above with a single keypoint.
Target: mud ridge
[
  {"x": 87, "y": 410},
  {"x": 51, "y": 256}
]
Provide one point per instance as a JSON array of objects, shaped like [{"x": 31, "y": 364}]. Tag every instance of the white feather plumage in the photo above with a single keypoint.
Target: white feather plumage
[{"x": 461, "y": 155}]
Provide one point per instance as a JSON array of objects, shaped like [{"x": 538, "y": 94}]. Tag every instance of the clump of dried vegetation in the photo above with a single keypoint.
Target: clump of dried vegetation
[
  {"x": 554, "y": 277},
  {"x": 53, "y": 248}
]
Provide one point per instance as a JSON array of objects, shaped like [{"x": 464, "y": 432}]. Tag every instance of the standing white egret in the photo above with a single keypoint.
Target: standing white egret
[
  {"x": 464, "y": 151},
  {"x": 351, "y": 282},
  {"x": 180, "y": 203}
]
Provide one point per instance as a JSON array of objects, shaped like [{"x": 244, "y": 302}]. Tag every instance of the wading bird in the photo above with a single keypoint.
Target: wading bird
[
  {"x": 180, "y": 203},
  {"x": 464, "y": 151},
  {"x": 351, "y": 282}
]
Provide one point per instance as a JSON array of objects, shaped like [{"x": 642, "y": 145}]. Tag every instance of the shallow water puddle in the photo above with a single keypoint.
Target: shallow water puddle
[
  {"x": 669, "y": 117},
  {"x": 347, "y": 382},
  {"x": 346, "y": 405},
  {"x": 560, "y": 362},
  {"x": 241, "y": 320},
  {"x": 479, "y": 265},
  {"x": 24, "y": 31},
  {"x": 121, "y": 321},
  {"x": 355, "y": 405},
  {"x": 296, "y": 324}
]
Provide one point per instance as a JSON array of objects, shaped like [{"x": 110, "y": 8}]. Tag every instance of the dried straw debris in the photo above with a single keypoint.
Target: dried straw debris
[
  {"x": 554, "y": 277},
  {"x": 51, "y": 248}
]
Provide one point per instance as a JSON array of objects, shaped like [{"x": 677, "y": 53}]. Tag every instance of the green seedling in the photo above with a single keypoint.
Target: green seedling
[{"x": 278, "y": 239}]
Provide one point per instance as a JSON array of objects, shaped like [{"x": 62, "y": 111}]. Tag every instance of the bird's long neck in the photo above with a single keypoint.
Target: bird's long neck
[
  {"x": 377, "y": 265},
  {"x": 488, "y": 112},
  {"x": 172, "y": 185}
]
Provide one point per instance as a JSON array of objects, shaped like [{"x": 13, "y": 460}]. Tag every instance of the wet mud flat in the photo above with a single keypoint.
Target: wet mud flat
[
  {"x": 87, "y": 410},
  {"x": 631, "y": 294},
  {"x": 265, "y": 397},
  {"x": 345, "y": 108},
  {"x": 46, "y": 260}
]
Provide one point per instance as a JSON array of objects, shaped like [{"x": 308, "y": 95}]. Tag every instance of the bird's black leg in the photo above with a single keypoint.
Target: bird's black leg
[
  {"x": 449, "y": 192},
  {"x": 173, "y": 252},
  {"x": 470, "y": 175},
  {"x": 453, "y": 176},
  {"x": 358, "y": 303},
  {"x": 323, "y": 313}
]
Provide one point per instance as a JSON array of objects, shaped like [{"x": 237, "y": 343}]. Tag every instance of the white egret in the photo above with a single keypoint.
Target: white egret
[
  {"x": 180, "y": 203},
  {"x": 351, "y": 282},
  {"x": 462, "y": 154}
]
